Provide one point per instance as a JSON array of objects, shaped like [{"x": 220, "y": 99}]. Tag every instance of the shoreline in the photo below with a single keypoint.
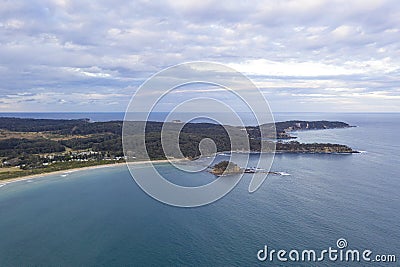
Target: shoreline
[
  {"x": 224, "y": 153},
  {"x": 67, "y": 171}
]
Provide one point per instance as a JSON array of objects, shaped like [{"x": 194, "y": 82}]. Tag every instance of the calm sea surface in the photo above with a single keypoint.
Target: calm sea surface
[{"x": 101, "y": 217}]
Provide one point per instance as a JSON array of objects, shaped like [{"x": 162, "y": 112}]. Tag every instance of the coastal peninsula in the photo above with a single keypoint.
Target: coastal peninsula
[{"x": 35, "y": 146}]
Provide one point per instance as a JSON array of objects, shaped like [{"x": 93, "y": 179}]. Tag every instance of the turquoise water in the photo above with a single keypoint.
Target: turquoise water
[{"x": 101, "y": 218}]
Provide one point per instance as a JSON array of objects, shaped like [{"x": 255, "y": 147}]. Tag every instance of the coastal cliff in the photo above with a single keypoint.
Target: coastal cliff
[{"x": 284, "y": 128}]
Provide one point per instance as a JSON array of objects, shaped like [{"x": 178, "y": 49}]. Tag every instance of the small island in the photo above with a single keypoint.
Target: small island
[{"x": 225, "y": 168}]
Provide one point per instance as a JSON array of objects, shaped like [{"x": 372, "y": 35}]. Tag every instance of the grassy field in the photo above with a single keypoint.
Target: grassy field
[{"x": 5, "y": 134}]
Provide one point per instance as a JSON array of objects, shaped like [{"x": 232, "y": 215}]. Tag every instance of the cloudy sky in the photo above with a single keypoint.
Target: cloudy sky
[{"x": 305, "y": 55}]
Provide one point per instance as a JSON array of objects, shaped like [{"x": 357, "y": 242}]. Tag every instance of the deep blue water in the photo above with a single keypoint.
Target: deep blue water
[{"x": 101, "y": 218}]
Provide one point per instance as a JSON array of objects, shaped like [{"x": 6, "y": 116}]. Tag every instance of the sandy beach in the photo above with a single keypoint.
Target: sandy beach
[{"x": 67, "y": 171}]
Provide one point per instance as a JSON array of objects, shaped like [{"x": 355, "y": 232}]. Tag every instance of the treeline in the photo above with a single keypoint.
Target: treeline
[
  {"x": 39, "y": 125},
  {"x": 84, "y": 126},
  {"x": 104, "y": 142},
  {"x": 309, "y": 125},
  {"x": 14, "y": 147},
  {"x": 106, "y": 137},
  {"x": 297, "y": 147},
  {"x": 188, "y": 144},
  {"x": 65, "y": 127}
]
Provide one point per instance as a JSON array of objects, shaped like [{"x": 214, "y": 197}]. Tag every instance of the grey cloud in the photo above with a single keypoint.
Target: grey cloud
[{"x": 66, "y": 47}]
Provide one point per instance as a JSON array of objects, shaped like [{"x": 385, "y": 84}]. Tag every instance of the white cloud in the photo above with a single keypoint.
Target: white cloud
[
  {"x": 68, "y": 47},
  {"x": 265, "y": 67}
]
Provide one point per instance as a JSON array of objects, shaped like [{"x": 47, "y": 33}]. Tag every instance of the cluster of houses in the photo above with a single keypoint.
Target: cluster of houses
[{"x": 64, "y": 157}]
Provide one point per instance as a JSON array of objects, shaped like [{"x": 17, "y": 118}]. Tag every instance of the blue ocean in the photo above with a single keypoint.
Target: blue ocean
[{"x": 100, "y": 217}]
